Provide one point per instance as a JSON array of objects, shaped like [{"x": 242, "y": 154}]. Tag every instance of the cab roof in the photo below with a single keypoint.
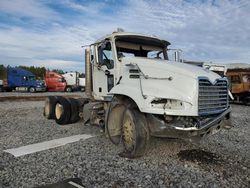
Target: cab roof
[{"x": 119, "y": 34}]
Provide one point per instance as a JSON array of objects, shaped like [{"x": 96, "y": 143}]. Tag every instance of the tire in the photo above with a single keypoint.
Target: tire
[
  {"x": 32, "y": 90},
  {"x": 68, "y": 89},
  {"x": 135, "y": 133},
  {"x": 62, "y": 111},
  {"x": 113, "y": 121},
  {"x": 49, "y": 107},
  {"x": 74, "y": 110}
]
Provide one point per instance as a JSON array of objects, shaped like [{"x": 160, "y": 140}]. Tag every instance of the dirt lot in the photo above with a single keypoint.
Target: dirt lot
[{"x": 222, "y": 160}]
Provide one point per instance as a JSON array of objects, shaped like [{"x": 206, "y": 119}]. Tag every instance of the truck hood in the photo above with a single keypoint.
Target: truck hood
[{"x": 162, "y": 68}]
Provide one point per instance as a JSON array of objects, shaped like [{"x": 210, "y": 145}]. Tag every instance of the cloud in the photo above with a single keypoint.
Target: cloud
[
  {"x": 21, "y": 46},
  {"x": 92, "y": 8},
  {"x": 27, "y": 8},
  {"x": 210, "y": 30},
  {"x": 206, "y": 31}
]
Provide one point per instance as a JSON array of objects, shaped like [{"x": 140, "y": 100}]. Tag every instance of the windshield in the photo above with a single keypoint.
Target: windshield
[
  {"x": 139, "y": 47},
  {"x": 31, "y": 78}
]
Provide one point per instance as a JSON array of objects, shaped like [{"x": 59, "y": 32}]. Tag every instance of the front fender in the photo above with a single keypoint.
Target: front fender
[{"x": 131, "y": 92}]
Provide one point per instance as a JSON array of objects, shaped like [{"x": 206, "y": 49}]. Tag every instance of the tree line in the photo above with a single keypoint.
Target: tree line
[{"x": 39, "y": 72}]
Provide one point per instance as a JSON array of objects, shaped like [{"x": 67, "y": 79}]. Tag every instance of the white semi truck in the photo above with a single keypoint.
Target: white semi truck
[
  {"x": 134, "y": 92},
  {"x": 74, "y": 82}
]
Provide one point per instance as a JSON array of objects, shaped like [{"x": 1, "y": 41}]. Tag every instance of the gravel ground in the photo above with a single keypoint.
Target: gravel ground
[{"x": 221, "y": 160}]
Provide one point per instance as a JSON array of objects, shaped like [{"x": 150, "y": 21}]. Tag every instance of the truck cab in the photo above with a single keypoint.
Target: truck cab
[
  {"x": 55, "y": 81},
  {"x": 174, "y": 99},
  {"x": 74, "y": 82},
  {"x": 137, "y": 66},
  {"x": 240, "y": 84},
  {"x": 22, "y": 80}
]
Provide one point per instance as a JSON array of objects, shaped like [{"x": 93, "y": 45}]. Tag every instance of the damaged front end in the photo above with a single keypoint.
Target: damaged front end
[{"x": 188, "y": 127}]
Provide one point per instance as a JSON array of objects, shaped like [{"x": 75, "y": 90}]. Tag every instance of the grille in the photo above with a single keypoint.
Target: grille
[{"x": 213, "y": 98}]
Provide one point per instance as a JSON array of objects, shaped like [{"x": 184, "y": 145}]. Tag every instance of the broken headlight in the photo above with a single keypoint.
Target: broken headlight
[{"x": 173, "y": 104}]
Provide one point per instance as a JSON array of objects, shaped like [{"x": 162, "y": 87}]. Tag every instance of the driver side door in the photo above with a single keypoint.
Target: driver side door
[{"x": 103, "y": 71}]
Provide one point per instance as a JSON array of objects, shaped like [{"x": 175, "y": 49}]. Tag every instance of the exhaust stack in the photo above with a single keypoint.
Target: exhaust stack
[
  {"x": 177, "y": 56},
  {"x": 88, "y": 74}
]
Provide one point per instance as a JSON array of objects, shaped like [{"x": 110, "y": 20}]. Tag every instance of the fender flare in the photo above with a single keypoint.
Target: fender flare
[{"x": 132, "y": 93}]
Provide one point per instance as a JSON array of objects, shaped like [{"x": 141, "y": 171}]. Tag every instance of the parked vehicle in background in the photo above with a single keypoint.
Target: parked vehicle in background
[
  {"x": 21, "y": 80},
  {"x": 240, "y": 85},
  {"x": 64, "y": 82},
  {"x": 239, "y": 79},
  {"x": 74, "y": 82},
  {"x": 1, "y": 85},
  {"x": 82, "y": 84},
  {"x": 55, "y": 81}
]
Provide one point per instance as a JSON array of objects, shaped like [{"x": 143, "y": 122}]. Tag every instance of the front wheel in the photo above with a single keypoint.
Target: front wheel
[
  {"x": 32, "y": 90},
  {"x": 135, "y": 133}
]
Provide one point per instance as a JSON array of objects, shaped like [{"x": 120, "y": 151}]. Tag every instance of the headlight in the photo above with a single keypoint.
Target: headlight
[
  {"x": 170, "y": 104},
  {"x": 173, "y": 104}
]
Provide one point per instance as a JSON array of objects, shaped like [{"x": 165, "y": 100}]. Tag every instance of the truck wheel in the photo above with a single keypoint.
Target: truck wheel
[
  {"x": 62, "y": 111},
  {"x": 49, "y": 107},
  {"x": 135, "y": 133},
  {"x": 74, "y": 110},
  {"x": 32, "y": 90},
  {"x": 68, "y": 89},
  {"x": 113, "y": 120}
]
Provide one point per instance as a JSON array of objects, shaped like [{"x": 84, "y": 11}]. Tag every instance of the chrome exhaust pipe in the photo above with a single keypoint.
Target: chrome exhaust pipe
[
  {"x": 177, "y": 56},
  {"x": 88, "y": 73}
]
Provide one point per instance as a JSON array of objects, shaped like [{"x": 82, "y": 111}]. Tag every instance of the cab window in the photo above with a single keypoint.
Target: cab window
[{"x": 105, "y": 55}]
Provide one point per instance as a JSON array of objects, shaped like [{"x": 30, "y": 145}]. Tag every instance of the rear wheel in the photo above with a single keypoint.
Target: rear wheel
[
  {"x": 68, "y": 89},
  {"x": 62, "y": 111},
  {"x": 49, "y": 107},
  {"x": 135, "y": 133},
  {"x": 74, "y": 110}
]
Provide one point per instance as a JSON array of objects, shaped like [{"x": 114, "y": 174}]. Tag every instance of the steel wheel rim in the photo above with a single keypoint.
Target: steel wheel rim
[
  {"x": 128, "y": 132},
  {"x": 47, "y": 107},
  {"x": 59, "y": 110}
]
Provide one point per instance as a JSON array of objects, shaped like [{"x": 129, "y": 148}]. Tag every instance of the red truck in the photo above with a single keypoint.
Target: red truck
[{"x": 55, "y": 81}]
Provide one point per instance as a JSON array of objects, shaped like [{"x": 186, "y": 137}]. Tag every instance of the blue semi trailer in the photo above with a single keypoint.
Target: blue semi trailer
[{"x": 22, "y": 80}]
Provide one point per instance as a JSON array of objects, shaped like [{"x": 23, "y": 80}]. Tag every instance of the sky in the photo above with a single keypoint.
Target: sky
[{"x": 50, "y": 33}]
